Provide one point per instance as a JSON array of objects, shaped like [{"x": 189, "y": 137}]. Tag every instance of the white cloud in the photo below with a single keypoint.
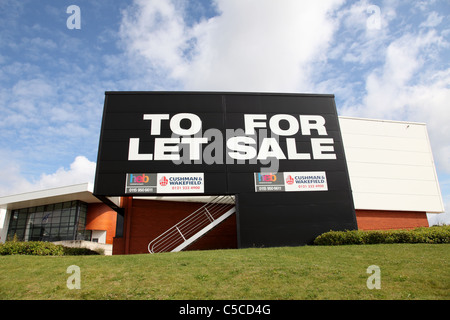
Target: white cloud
[
  {"x": 408, "y": 87},
  {"x": 433, "y": 20},
  {"x": 155, "y": 30},
  {"x": 441, "y": 218},
  {"x": 13, "y": 180},
  {"x": 81, "y": 170},
  {"x": 250, "y": 46},
  {"x": 34, "y": 88}
]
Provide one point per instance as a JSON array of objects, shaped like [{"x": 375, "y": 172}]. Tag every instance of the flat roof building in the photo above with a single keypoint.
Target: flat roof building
[
  {"x": 391, "y": 171},
  {"x": 59, "y": 214}
]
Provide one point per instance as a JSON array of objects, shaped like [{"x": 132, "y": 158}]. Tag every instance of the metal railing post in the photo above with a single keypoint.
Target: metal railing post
[{"x": 181, "y": 234}]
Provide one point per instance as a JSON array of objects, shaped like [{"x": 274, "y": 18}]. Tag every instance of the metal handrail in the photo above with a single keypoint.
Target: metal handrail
[{"x": 190, "y": 225}]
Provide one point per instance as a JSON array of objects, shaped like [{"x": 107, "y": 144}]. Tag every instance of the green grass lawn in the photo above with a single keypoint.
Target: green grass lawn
[{"x": 408, "y": 271}]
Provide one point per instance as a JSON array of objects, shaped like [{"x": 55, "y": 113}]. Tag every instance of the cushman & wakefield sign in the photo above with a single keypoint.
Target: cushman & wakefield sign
[
  {"x": 268, "y": 149},
  {"x": 148, "y": 183},
  {"x": 291, "y": 181}
]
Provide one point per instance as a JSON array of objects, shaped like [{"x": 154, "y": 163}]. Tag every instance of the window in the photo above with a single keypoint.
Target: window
[{"x": 53, "y": 222}]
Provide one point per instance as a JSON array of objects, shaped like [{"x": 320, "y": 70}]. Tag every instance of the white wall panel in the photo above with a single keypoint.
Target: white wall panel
[
  {"x": 385, "y": 142},
  {"x": 390, "y": 165},
  {"x": 100, "y": 235},
  {"x": 391, "y": 171},
  {"x": 394, "y": 186},
  {"x": 384, "y": 128},
  {"x": 388, "y": 156},
  {"x": 4, "y": 223},
  {"x": 397, "y": 202}
]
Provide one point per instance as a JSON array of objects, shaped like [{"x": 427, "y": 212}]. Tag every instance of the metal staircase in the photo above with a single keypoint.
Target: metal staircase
[{"x": 194, "y": 226}]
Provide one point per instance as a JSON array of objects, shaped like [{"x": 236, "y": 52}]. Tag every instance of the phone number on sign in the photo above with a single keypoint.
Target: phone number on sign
[
  {"x": 186, "y": 188},
  {"x": 311, "y": 186},
  {"x": 275, "y": 188}
]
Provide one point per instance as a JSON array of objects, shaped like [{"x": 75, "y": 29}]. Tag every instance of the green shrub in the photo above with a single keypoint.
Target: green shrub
[
  {"x": 79, "y": 251},
  {"x": 41, "y": 248},
  {"x": 37, "y": 248},
  {"x": 435, "y": 234}
]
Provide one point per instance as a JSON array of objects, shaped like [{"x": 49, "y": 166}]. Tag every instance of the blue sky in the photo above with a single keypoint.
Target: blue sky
[{"x": 382, "y": 59}]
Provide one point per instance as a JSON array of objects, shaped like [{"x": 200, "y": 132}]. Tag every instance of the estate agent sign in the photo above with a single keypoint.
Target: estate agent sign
[{"x": 281, "y": 155}]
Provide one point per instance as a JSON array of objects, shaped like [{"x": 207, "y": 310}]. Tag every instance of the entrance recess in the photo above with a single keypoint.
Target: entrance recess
[{"x": 194, "y": 226}]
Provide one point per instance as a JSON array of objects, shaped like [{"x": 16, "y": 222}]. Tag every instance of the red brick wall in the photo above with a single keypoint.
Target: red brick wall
[
  {"x": 146, "y": 219},
  {"x": 118, "y": 246},
  {"x": 382, "y": 220},
  {"x": 223, "y": 236}
]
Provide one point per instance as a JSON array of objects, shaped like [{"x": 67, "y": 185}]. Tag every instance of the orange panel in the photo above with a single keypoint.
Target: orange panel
[{"x": 101, "y": 217}]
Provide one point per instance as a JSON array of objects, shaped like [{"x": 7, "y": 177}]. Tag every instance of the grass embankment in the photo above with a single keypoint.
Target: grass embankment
[{"x": 408, "y": 271}]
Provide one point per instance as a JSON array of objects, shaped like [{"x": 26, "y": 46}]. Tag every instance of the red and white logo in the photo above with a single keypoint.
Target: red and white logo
[
  {"x": 163, "y": 181},
  {"x": 289, "y": 179}
]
